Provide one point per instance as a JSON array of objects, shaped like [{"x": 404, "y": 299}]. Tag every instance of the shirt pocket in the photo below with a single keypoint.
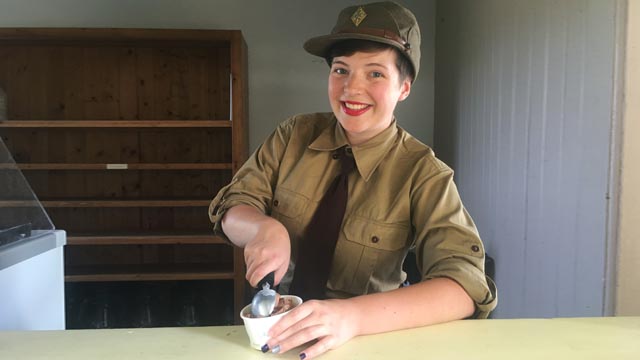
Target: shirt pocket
[
  {"x": 370, "y": 257},
  {"x": 289, "y": 207}
]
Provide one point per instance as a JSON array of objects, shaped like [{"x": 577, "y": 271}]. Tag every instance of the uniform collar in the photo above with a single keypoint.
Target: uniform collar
[{"x": 368, "y": 155}]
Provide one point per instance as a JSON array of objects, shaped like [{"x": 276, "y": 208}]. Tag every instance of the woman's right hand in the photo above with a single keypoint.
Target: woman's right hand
[
  {"x": 268, "y": 251},
  {"x": 266, "y": 242}
]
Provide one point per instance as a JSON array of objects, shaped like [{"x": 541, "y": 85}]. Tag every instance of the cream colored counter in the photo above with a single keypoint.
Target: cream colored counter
[{"x": 577, "y": 338}]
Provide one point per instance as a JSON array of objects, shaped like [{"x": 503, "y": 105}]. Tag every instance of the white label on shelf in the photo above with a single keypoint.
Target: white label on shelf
[{"x": 117, "y": 166}]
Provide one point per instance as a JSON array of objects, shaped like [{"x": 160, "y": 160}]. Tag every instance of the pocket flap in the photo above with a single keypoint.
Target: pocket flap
[
  {"x": 383, "y": 236},
  {"x": 288, "y": 203}
]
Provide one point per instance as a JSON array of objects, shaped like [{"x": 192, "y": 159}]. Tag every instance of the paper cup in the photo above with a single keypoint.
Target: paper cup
[{"x": 257, "y": 328}]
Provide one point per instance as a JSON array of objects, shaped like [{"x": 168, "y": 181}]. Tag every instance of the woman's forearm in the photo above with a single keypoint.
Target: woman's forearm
[
  {"x": 265, "y": 240},
  {"x": 243, "y": 223},
  {"x": 429, "y": 302}
]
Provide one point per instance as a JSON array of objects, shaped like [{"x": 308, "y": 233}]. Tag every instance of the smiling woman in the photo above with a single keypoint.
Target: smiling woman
[
  {"x": 333, "y": 202},
  {"x": 364, "y": 89}
]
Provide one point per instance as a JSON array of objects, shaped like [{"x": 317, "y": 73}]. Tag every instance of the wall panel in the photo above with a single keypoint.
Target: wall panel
[{"x": 523, "y": 114}]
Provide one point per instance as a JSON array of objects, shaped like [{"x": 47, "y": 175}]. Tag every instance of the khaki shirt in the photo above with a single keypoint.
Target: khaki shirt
[{"x": 401, "y": 197}]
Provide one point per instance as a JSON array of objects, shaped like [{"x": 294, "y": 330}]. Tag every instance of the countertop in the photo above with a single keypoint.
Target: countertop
[{"x": 559, "y": 338}]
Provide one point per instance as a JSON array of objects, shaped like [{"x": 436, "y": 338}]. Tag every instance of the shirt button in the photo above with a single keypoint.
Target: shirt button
[
  {"x": 335, "y": 156},
  {"x": 475, "y": 248},
  {"x": 349, "y": 150},
  {"x": 375, "y": 239},
  {"x": 276, "y": 202}
]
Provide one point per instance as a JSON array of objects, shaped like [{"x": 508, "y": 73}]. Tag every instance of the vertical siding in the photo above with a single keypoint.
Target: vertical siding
[{"x": 523, "y": 114}]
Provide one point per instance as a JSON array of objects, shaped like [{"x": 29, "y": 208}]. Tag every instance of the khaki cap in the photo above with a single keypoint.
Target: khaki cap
[{"x": 384, "y": 22}]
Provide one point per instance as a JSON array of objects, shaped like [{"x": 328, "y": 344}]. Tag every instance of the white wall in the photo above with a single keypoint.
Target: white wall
[
  {"x": 283, "y": 78},
  {"x": 524, "y": 109},
  {"x": 628, "y": 284}
]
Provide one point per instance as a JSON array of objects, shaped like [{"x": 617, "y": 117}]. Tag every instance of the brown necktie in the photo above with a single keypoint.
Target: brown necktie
[{"x": 315, "y": 251}]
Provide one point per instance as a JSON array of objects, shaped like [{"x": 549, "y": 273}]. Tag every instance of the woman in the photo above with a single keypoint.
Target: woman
[{"x": 400, "y": 196}]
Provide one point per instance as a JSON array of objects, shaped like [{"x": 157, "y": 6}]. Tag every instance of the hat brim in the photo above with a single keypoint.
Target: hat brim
[{"x": 320, "y": 45}]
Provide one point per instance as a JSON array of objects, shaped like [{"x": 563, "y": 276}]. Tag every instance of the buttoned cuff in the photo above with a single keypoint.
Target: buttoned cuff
[{"x": 485, "y": 308}]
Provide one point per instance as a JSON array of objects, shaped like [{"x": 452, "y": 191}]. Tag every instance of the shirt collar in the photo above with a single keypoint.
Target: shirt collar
[{"x": 368, "y": 155}]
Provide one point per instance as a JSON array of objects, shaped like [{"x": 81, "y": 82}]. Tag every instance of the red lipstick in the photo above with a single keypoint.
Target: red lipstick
[{"x": 354, "y": 108}]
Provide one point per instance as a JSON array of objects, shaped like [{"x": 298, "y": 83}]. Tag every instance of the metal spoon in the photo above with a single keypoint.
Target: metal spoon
[{"x": 264, "y": 301}]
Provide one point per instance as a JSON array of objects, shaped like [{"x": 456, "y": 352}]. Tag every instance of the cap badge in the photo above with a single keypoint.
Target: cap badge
[{"x": 358, "y": 16}]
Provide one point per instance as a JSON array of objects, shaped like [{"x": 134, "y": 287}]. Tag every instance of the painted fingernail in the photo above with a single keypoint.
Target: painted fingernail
[
  {"x": 303, "y": 356},
  {"x": 276, "y": 349},
  {"x": 265, "y": 348}
]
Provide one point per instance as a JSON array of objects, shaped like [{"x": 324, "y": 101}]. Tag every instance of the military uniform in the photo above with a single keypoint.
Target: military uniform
[{"x": 400, "y": 197}]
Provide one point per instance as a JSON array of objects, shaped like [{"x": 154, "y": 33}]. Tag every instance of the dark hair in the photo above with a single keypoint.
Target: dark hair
[{"x": 350, "y": 47}]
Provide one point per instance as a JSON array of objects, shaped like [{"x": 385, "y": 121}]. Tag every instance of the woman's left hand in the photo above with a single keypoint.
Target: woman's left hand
[{"x": 330, "y": 322}]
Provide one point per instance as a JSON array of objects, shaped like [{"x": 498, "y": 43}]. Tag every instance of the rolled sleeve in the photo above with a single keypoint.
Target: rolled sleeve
[
  {"x": 480, "y": 287},
  {"x": 227, "y": 198},
  {"x": 254, "y": 182},
  {"x": 448, "y": 244},
  {"x": 244, "y": 189}
]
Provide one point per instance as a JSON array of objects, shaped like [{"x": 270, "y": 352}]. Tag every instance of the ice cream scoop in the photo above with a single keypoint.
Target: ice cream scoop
[{"x": 264, "y": 301}]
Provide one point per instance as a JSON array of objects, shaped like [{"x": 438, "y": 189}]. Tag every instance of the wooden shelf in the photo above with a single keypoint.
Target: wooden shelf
[
  {"x": 114, "y": 123},
  {"x": 105, "y": 203},
  {"x": 129, "y": 166},
  {"x": 147, "y": 239},
  {"x": 150, "y": 272},
  {"x": 118, "y": 36},
  {"x": 125, "y": 136}
]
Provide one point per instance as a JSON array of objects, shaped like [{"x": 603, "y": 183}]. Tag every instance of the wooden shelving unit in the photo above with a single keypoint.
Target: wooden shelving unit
[{"x": 125, "y": 135}]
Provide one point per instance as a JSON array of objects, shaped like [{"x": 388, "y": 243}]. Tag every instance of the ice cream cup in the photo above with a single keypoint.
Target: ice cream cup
[{"x": 257, "y": 328}]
